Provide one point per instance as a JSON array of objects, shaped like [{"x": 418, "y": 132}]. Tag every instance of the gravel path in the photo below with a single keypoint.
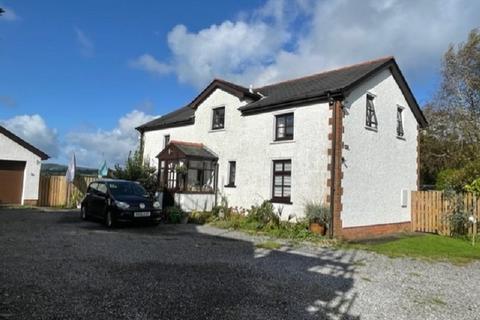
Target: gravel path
[{"x": 54, "y": 266}]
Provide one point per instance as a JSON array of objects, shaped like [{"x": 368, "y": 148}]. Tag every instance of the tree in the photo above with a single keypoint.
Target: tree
[
  {"x": 137, "y": 170},
  {"x": 452, "y": 140}
]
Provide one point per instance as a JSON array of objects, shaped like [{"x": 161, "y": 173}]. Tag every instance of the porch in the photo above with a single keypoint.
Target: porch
[{"x": 188, "y": 176}]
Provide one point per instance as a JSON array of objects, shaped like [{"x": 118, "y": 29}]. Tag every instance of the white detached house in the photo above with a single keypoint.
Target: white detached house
[{"x": 346, "y": 137}]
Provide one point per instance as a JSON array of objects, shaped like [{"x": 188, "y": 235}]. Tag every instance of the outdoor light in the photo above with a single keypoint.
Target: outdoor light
[{"x": 473, "y": 221}]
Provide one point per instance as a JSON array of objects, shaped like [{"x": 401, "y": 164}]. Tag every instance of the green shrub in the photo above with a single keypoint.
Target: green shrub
[
  {"x": 456, "y": 215},
  {"x": 457, "y": 179},
  {"x": 200, "y": 217},
  {"x": 264, "y": 215},
  {"x": 473, "y": 187},
  {"x": 317, "y": 212},
  {"x": 174, "y": 214}
]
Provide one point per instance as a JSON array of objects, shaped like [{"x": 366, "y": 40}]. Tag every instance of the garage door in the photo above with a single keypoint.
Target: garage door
[{"x": 11, "y": 181}]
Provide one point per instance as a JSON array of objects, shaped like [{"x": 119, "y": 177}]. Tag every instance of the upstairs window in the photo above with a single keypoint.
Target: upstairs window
[
  {"x": 400, "y": 132},
  {"x": 218, "y": 118},
  {"x": 284, "y": 127},
  {"x": 282, "y": 181},
  {"x": 166, "y": 140},
  {"x": 232, "y": 167},
  {"x": 371, "y": 118}
]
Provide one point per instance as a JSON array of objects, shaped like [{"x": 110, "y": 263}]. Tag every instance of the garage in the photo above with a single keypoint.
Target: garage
[
  {"x": 19, "y": 169},
  {"x": 11, "y": 181}
]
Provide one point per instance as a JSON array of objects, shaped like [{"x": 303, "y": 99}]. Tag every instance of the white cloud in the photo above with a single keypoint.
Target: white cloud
[
  {"x": 34, "y": 130},
  {"x": 286, "y": 39},
  {"x": 9, "y": 14},
  {"x": 87, "y": 48},
  {"x": 148, "y": 63},
  {"x": 92, "y": 147}
]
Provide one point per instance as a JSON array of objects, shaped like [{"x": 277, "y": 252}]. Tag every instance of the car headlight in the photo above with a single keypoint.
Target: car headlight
[
  {"x": 122, "y": 205},
  {"x": 156, "y": 205}
]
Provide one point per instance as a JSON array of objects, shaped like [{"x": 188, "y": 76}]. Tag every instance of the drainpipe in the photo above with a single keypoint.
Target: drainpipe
[
  {"x": 215, "y": 181},
  {"x": 335, "y": 101},
  {"x": 332, "y": 103}
]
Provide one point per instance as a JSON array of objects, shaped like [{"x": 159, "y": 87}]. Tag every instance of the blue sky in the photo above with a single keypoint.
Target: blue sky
[{"x": 80, "y": 75}]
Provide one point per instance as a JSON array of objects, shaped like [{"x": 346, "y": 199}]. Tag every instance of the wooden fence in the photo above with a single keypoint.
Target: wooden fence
[
  {"x": 430, "y": 211},
  {"x": 54, "y": 191}
]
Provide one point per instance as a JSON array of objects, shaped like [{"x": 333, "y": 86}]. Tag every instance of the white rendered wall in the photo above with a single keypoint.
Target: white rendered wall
[
  {"x": 248, "y": 140},
  {"x": 378, "y": 165},
  {"x": 195, "y": 201},
  {"x": 10, "y": 150}
]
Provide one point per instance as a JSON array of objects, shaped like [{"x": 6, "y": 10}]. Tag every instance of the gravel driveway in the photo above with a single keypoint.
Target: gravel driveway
[{"x": 55, "y": 266}]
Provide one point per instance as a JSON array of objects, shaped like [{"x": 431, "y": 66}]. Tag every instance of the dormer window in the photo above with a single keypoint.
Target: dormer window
[
  {"x": 371, "y": 117},
  {"x": 218, "y": 121}
]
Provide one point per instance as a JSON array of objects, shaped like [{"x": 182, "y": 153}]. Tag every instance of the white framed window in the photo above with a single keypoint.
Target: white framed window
[
  {"x": 400, "y": 129},
  {"x": 371, "y": 116}
]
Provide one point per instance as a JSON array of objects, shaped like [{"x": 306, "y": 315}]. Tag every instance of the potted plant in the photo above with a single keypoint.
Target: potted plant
[{"x": 318, "y": 215}]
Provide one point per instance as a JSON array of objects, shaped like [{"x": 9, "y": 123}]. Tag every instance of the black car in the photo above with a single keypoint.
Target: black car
[{"x": 119, "y": 201}]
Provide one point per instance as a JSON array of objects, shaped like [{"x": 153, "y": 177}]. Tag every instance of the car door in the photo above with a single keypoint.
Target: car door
[
  {"x": 100, "y": 199},
  {"x": 90, "y": 199}
]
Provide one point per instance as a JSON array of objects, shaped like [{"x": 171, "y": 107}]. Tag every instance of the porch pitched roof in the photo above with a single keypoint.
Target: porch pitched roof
[{"x": 183, "y": 149}]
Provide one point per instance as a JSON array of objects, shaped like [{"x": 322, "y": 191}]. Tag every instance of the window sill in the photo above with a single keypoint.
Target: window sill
[
  {"x": 371, "y": 129},
  {"x": 230, "y": 186},
  {"x": 280, "y": 201},
  {"x": 217, "y": 130},
  {"x": 401, "y": 138},
  {"x": 282, "y": 141}
]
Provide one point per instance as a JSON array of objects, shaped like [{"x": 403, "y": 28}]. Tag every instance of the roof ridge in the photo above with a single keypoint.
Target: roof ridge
[
  {"x": 386, "y": 58},
  {"x": 230, "y": 82}
]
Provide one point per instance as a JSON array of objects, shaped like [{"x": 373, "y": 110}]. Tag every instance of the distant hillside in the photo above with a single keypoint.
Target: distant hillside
[{"x": 54, "y": 169}]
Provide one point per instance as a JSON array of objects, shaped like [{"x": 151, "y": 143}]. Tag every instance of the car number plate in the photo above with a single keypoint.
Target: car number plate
[{"x": 141, "y": 214}]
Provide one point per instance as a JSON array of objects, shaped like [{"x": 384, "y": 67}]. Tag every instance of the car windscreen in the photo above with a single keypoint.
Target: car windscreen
[{"x": 124, "y": 188}]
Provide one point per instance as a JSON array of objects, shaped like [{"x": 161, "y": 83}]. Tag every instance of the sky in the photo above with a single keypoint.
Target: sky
[{"x": 79, "y": 76}]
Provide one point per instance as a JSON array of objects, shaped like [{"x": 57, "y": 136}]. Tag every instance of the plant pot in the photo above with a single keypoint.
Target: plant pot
[{"x": 317, "y": 228}]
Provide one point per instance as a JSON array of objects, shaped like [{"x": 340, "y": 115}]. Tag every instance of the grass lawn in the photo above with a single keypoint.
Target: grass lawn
[{"x": 431, "y": 247}]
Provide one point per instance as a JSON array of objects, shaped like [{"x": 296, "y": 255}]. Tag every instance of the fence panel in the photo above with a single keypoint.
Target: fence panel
[
  {"x": 430, "y": 211},
  {"x": 54, "y": 191}
]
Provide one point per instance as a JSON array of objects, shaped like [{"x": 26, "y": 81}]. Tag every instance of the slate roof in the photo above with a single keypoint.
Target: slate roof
[
  {"x": 179, "y": 117},
  {"x": 24, "y": 143},
  {"x": 192, "y": 149},
  {"x": 311, "y": 88},
  {"x": 314, "y": 85}
]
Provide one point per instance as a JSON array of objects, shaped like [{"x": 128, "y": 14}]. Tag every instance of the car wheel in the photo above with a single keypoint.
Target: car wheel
[
  {"x": 83, "y": 213},
  {"x": 109, "y": 219}
]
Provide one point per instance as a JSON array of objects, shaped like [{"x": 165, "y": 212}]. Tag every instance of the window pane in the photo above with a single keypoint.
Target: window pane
[
  {"x": 286, "y": 191},
  {"x": 280, "y": 121},
  {"x": 196, "y": 164},
  {"x": 288, "y": 166},
  {"x": 281, "y": 132},
  {"x": 290, "y": 120},
  {"x": 289, "y": 131},
  {"x": 278, "y": 166},
  {"x": 287, "y": 180},
  {"x": 277, "y": 181},
  {"x": 277, "y": 192},
  {"x": 231, "y": 177}
]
